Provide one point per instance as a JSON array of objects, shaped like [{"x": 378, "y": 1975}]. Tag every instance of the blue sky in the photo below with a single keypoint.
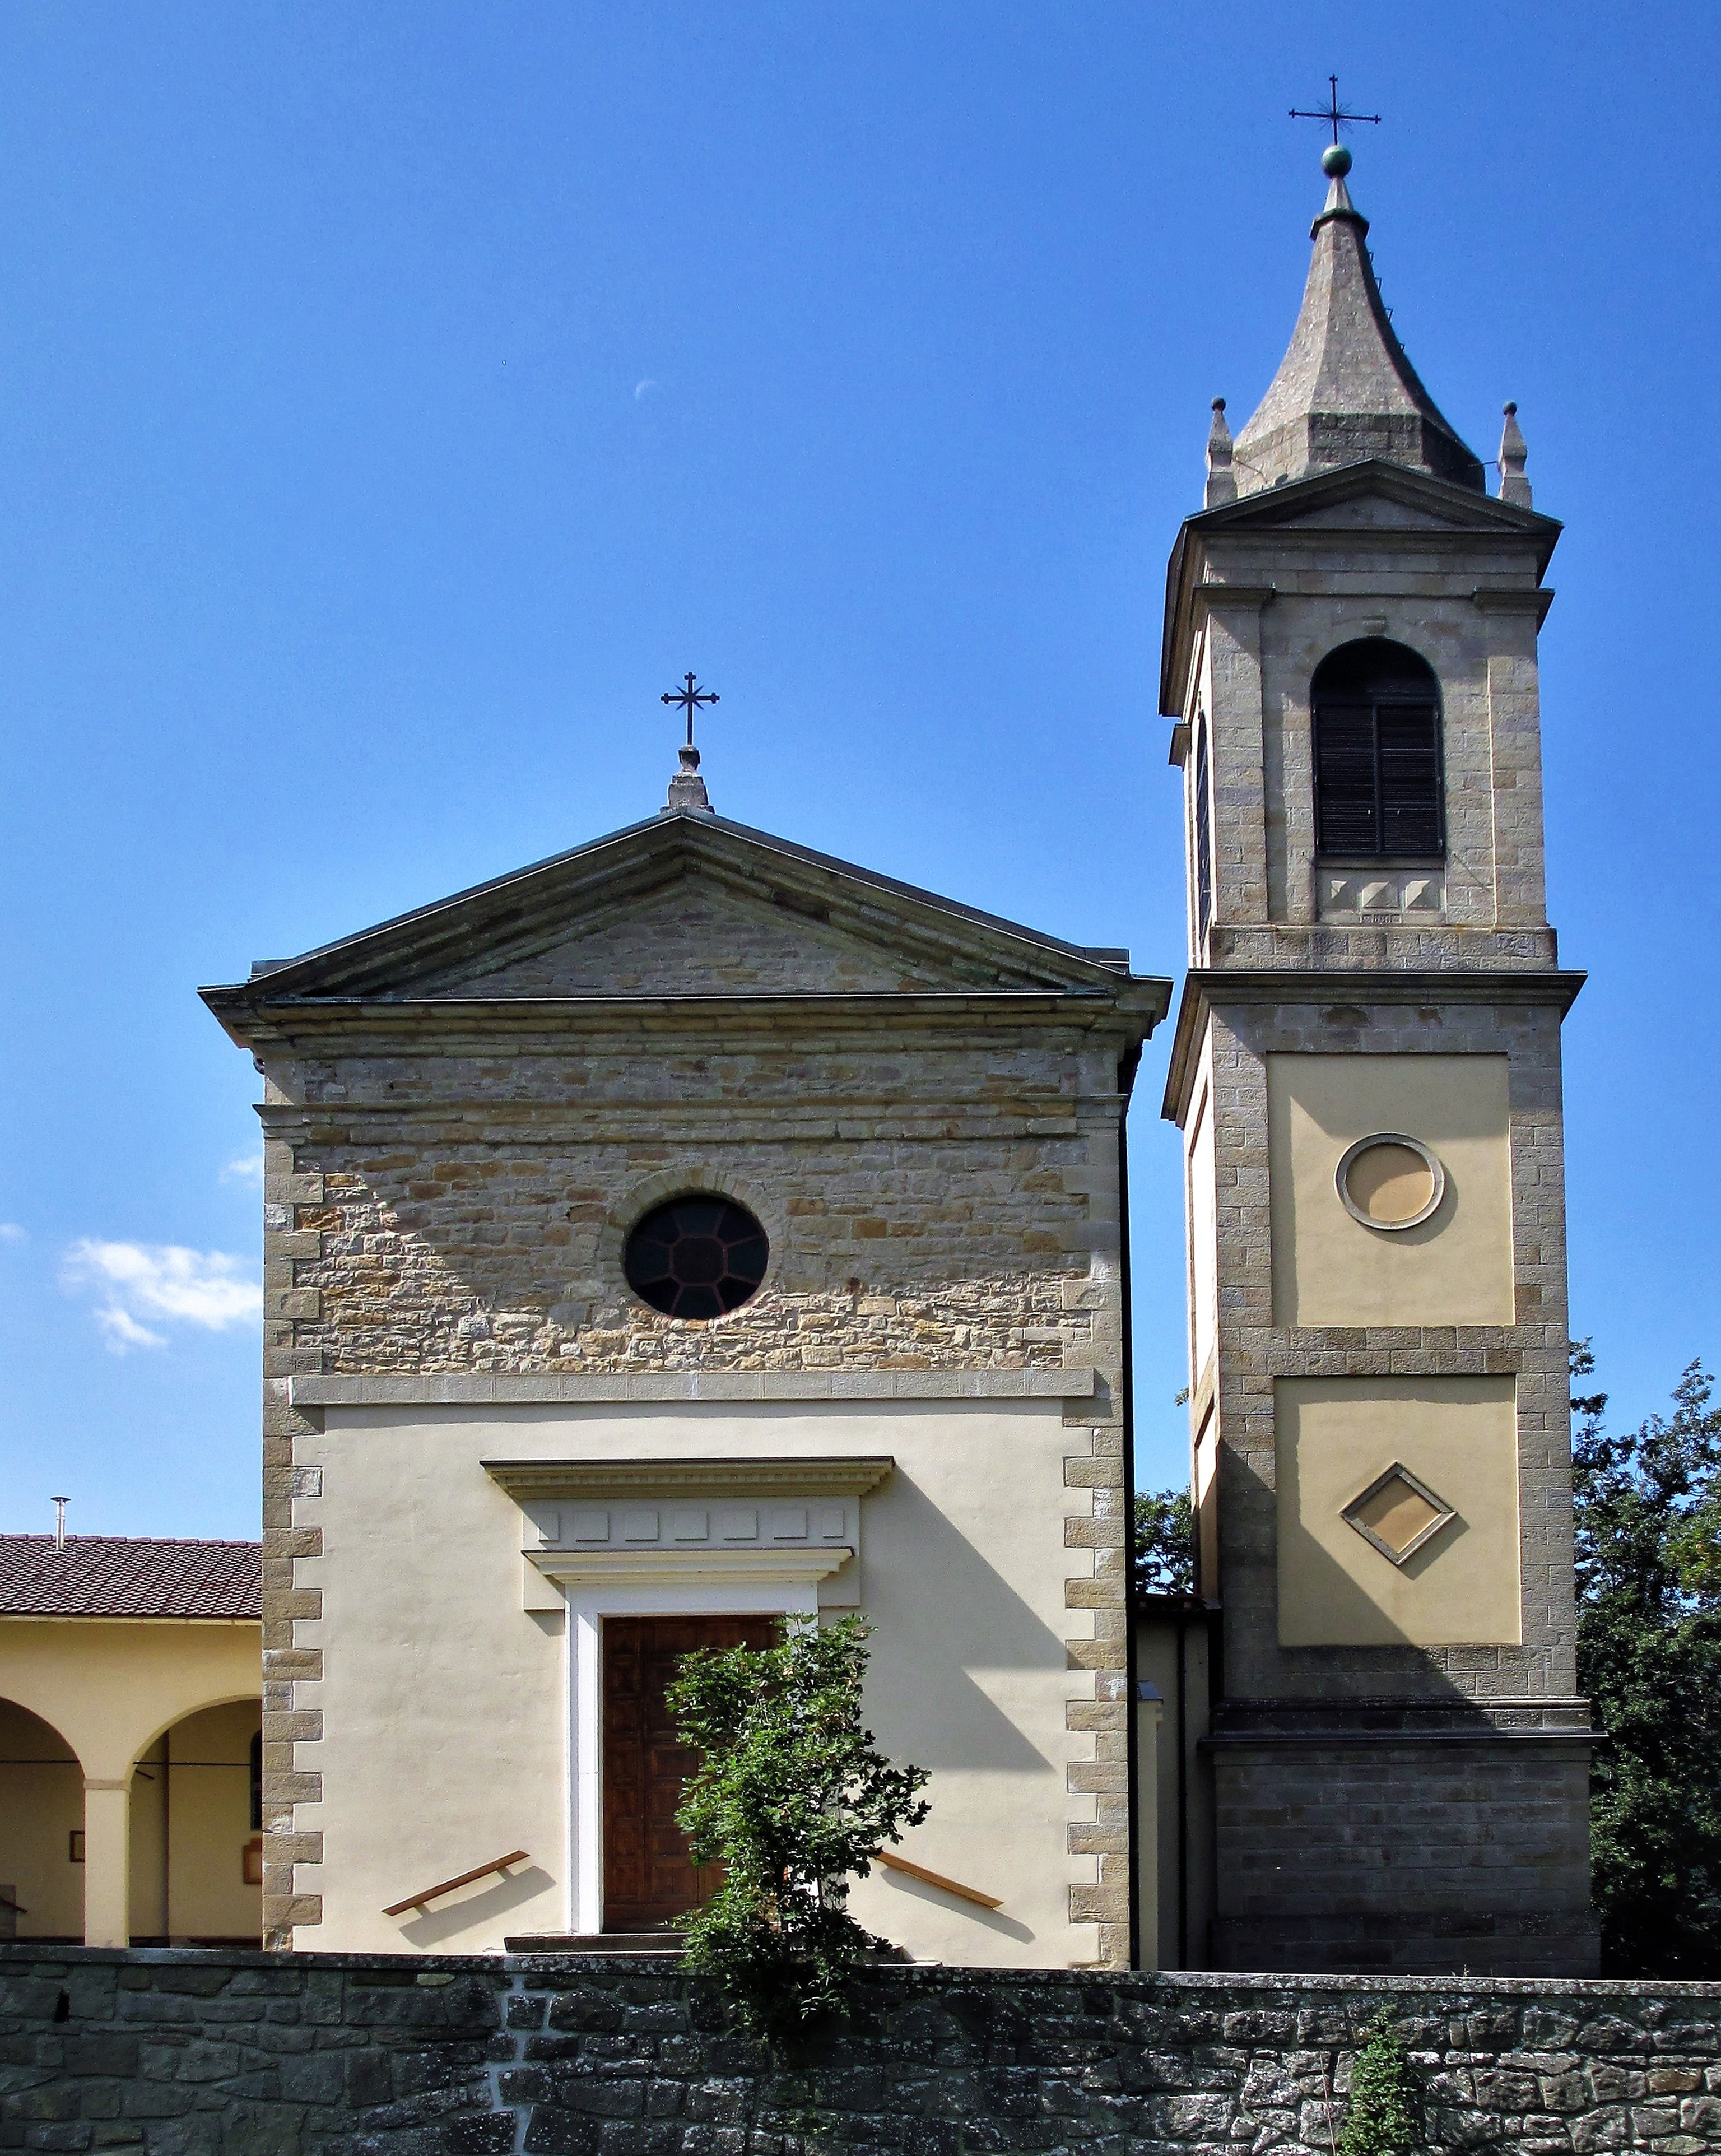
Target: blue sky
[{"x": 394, "y": 399}]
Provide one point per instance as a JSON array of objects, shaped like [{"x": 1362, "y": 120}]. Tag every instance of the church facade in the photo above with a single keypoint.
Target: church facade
[
  {"x": 869, "y": 1144},
  {"x": 693, "y": 1228}
]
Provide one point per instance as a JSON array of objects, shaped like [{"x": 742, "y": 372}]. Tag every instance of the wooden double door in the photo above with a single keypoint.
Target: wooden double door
[{"x": 649, "y": 1877}]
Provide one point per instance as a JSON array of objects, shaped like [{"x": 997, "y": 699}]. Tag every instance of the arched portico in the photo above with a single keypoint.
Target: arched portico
[{"x": 109, "y": 1689}]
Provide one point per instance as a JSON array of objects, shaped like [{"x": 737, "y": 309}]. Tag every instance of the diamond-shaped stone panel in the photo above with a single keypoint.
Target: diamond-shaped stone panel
[{"x": 1398, "y": 1513}]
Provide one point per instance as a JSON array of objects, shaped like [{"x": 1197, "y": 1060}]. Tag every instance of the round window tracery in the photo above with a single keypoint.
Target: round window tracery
[
  {"x": 1390, "y": 1181},
  {"x": 697, "y": 1256}
]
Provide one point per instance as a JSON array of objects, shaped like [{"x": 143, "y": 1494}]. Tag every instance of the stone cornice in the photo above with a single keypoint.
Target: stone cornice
[
  {"x": 440, "y": 1025},
  {"x": 667, "y": 1388},
  {"x": 929, "y": 1118},
  {"x": 683, "y": 1477},
  {"x": 1210, "y": 988},
  {"x": 1491, "y": 598},
  {"x": 588, "y": 1572}
]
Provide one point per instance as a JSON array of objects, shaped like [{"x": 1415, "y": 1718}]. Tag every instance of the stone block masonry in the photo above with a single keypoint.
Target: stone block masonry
[{"x": 176, "y": 2053}]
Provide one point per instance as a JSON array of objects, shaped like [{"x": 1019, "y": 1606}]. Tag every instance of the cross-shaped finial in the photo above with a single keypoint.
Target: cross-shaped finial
[
  {"x": 691, "y": 698},
  {"x": 1336, "y": 115}
]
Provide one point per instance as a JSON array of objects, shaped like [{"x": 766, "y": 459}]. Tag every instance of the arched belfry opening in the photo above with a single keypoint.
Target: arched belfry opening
[{"x": 1378, "y": 790}]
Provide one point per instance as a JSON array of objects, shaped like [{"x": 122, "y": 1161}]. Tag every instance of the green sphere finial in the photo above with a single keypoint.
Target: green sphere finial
[{"x": 1335, "y": 161}]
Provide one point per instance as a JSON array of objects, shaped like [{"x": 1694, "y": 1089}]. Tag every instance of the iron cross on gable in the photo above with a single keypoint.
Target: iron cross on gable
[
  {"x": 1335, "y": 115},
  {"x": 691, "y": 699}
]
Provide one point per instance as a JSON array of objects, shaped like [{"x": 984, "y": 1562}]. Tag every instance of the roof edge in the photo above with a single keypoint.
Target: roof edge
[{"x": 670, "y": 829}]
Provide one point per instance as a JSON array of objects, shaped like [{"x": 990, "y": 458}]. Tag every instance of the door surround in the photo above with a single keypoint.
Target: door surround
[
  {"x": 757, "y": 1567},
  {"x": 588, "y": 1605}
]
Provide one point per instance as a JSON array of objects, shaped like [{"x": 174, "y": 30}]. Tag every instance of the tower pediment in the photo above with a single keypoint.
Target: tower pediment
[{"x": 1374, "y": 497}]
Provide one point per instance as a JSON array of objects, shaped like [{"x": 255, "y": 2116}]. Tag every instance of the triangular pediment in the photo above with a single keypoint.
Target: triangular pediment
[
  {"x": 698, "y": 935},
  {"x": 685, "y": 906},
  {"x": 1375, "y": 493},
  {"x": 1375, "y": 512},
  {"x": 1371, "y": 496}
]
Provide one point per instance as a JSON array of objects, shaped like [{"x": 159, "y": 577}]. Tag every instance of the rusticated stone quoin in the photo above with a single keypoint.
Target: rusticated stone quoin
[{"x": 285, "y": 2055}]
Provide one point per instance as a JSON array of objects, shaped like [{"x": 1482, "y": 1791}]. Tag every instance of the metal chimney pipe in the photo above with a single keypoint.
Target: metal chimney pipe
[{"x": 59, "y": 1522}]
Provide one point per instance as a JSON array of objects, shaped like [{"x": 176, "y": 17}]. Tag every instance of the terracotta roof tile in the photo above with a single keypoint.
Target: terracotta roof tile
[{"x": 128, "y": 1576}]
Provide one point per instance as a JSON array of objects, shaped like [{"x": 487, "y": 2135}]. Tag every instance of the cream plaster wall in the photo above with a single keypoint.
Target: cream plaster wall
[
  {"x": 1206, "y": 1503},
  {"x": 444, "y": 1705},
  {"x": 110, "y": 1686},
  {"x": 209, "y": 1809},
  {"x": 1328, "y": 1269},
  {"x": 1459, "y": 1436}
]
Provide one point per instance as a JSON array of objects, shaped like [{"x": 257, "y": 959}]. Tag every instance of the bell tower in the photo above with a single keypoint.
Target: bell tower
[{"x": 1366, "y": 1073}]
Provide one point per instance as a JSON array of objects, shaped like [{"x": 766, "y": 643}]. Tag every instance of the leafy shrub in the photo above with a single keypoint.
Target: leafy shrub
[
  {"x": 1163, "y": 1557},
  {"x": 1385, "y": 2112},
  {"x": 792, "y": 1798},
  {"x": 1648, "y": 1521}
]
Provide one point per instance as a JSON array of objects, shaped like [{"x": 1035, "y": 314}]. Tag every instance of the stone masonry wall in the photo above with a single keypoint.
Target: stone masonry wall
[
  {"x": 927, "y": 1207},
  {"x": 185, "y": 2054}
]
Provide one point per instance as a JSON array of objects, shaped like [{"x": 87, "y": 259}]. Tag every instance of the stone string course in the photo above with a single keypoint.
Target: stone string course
[{"x": 210, "y": 2054}]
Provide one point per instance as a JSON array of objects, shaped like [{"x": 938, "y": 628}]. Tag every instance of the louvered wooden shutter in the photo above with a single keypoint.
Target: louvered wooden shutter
[
  {"x": 1410, "y": 778},
  {"x": 1203, "y": 835},
  {"x": 1347, "y": 811}
]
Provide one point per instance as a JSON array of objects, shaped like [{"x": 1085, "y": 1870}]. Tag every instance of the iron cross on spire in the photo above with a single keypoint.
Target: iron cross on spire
[
  {"x": 691, "y": 699},
  {"x": 1336, "y": 115}
]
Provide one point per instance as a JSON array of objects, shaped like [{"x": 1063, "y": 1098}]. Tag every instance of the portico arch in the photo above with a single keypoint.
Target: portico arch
[
  {"x": 109, "y": 1688},
  {"x": 41, "y": 1811}
]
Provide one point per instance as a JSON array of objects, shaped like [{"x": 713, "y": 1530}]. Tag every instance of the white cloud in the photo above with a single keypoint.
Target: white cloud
[
  {"x": 643, "y": 388},
  {"x": 162, "y": 1281},
  {"x": 10, "y": 1232},
  {"x": 123, "y": 1331},
  {"x": 244, "y": 1167}
]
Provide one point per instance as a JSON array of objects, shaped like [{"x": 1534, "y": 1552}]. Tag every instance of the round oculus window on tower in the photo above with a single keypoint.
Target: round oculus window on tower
[
  {"x": 1390, "y": 1181},
  {"x": 697, "y": 1256}
]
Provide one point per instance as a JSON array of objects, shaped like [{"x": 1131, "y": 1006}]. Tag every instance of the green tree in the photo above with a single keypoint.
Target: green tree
[
  {"x": 1384, "y": 2111},
  {"x": 793, "y": 1799},
  {"x": 1647, "y": 1511},
  {"x": 1164, "y": 1562}
]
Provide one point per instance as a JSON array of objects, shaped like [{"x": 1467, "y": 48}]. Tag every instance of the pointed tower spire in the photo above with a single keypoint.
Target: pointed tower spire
[
  {"x": 1514, "y": 486},
  {"x": 1345, "y": 389},
  {"x": 1221, "y": 479}
]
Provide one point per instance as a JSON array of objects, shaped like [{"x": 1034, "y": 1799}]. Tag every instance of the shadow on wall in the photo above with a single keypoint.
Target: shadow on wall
[
  {"x": 1251, "y": 1603},
  {"x": 461, "y": 1915},
  {"x": 926, "y": 1581},
  {"x": 989, "y": 1920},
  {"x": 41, "y": 1812}
]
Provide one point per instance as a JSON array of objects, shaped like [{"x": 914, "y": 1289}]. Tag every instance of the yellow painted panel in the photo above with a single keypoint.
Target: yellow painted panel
[
  {"x": 1454, "y": 1268},
  {"x": 1337, "y": 1435}
]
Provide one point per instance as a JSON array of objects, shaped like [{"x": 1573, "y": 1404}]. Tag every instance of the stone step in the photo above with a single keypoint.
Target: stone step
[{"x": 610, "y": 1946}]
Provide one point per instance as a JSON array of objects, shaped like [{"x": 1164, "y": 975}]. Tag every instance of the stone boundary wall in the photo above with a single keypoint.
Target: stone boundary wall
[{"x": 186, "y": 2053}]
